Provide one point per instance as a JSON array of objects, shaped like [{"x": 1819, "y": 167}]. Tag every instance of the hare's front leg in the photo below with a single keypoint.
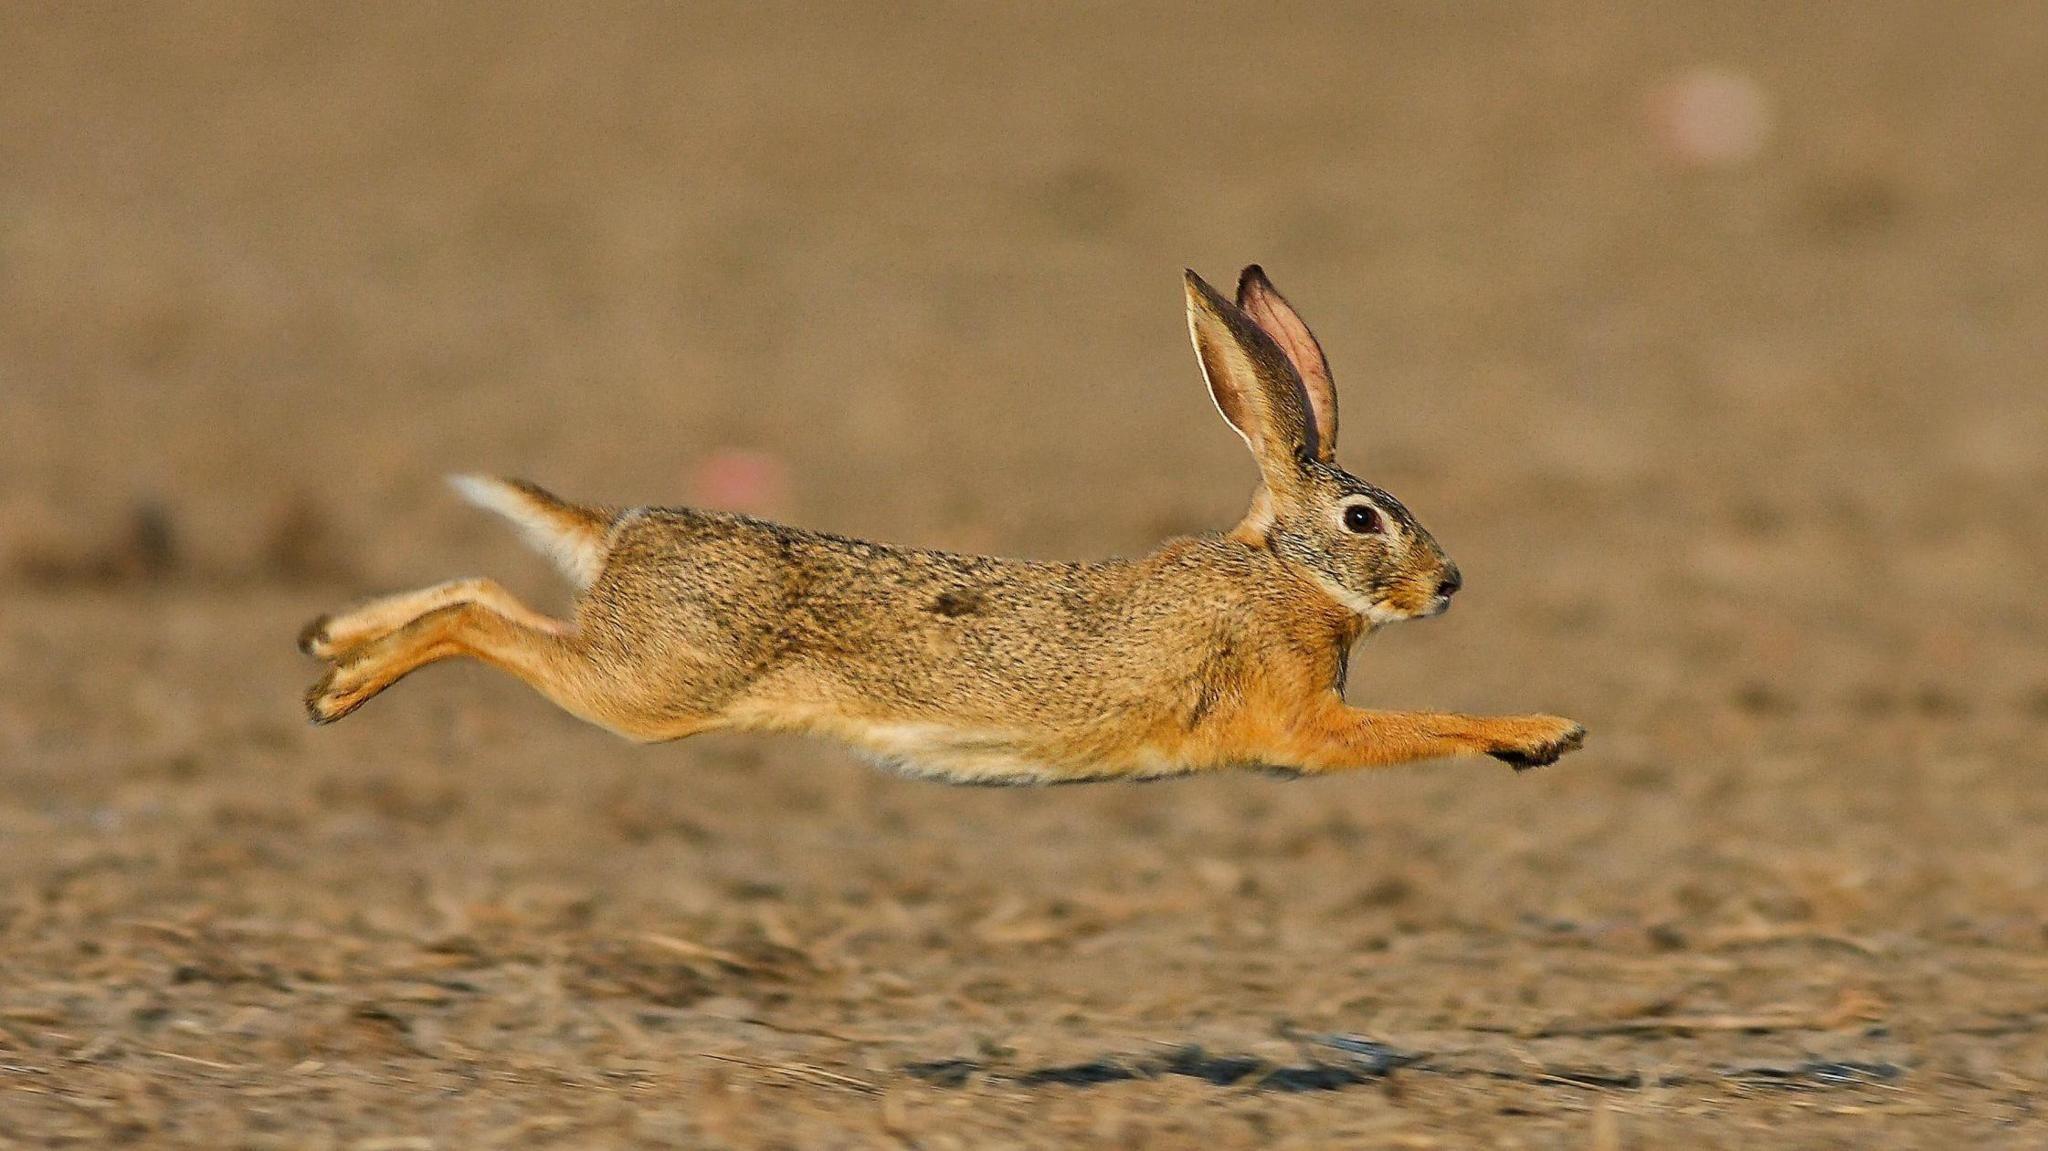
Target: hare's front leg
[{"x": 1334, "y": 737}]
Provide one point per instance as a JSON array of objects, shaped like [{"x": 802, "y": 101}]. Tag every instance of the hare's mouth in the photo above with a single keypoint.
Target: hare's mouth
[
  {"x": 1396, "y": 609},
  {"x": 1438, "y": 600},
  {"x": 1390, "y": 611},
  {"x": 1401, "y": 605}
]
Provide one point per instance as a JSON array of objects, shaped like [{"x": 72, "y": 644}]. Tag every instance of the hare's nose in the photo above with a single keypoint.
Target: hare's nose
[{"x": 1450, "y": 584}]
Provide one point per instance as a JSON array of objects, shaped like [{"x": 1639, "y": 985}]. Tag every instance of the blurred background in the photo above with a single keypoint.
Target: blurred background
[{"x": 1707, "y": 339}]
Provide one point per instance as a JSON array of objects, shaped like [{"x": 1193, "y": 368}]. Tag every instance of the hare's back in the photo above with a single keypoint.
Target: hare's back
[{"x": 893, "y": 631}]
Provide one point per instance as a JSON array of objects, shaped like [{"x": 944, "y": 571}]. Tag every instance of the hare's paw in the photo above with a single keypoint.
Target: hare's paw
[
  {"x": 334, "y": 636},
  {"x": 342, "y": 690},
  {"x": 315, "y": 638},
  {"x": 1538, "y": 740}
]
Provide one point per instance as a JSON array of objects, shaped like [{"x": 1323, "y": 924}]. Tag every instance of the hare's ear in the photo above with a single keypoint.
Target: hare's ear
[
  {"x": 1254, "y": 386},
  {"x": 1260, "y": 300}
]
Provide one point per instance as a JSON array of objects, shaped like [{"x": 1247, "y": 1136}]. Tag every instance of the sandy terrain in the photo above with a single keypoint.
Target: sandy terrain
[{"x": 1743, "y": 461}]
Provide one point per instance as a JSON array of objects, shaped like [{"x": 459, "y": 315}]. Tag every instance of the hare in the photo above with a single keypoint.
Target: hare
[{"x": 1215, "y": 651}]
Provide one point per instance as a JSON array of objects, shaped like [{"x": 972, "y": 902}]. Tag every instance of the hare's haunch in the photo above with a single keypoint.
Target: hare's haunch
[{"x": 1215, "y": 651}]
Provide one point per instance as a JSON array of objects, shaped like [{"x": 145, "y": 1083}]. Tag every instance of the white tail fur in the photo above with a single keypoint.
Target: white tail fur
[{"x": 572, "y": 536}]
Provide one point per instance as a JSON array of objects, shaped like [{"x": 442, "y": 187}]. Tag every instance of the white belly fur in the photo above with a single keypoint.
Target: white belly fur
[{"x": 992, "y": 757}]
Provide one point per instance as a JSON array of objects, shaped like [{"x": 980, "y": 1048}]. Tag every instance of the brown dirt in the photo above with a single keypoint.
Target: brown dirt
[{"x": 1743, "y": 466}]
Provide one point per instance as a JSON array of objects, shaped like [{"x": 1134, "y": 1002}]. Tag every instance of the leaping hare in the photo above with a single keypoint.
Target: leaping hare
[{"x": 1215, "y": 651}]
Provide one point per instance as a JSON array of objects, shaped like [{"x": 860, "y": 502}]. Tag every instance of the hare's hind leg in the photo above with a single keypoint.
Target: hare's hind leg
[
  {"x": 589, "y": 681},
  {"x": 331, "y": 636},
  {"x": 548, "y": 657}
]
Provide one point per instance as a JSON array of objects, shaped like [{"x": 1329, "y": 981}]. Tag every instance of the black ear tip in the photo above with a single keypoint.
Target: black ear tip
[
  {"x": 1253, "y": 282},
  {"x": 1199, "y": 289}
]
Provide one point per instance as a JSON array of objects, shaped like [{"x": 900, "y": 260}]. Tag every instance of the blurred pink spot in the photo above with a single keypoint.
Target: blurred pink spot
[
  {"x": 1710, "y": 118},
  {"x": 740, "y": 480}
]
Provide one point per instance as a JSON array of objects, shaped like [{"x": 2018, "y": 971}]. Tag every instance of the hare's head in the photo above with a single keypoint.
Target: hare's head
[{"x": 1269, "y": 379}]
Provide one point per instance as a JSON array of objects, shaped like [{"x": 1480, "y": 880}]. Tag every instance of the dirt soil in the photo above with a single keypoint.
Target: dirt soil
[{"x": 1743, "y": 460}]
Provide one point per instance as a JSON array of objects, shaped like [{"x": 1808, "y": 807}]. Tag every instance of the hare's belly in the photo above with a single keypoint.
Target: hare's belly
[{"x": 998, "y": 758}]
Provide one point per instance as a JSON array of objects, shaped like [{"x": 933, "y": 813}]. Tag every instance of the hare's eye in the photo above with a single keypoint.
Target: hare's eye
[{"x": 1361, "y": 519}]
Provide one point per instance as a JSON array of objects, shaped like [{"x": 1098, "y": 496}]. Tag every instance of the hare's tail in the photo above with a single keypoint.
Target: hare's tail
[{"x": 569, "y": 534}]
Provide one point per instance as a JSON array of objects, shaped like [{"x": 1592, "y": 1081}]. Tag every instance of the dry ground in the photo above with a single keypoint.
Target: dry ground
[{"x": 1744, "y": 467}]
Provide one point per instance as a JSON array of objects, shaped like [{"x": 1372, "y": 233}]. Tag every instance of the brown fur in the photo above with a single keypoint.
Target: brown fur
[{"x": 1215, "y": 651}]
